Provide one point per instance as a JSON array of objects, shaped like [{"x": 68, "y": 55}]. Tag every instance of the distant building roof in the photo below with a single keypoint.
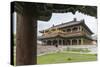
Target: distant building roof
[
  {"x": 59, "y": 34},
  {"x": 71, "y": 23},
  {"x": 94, "y": 37}
]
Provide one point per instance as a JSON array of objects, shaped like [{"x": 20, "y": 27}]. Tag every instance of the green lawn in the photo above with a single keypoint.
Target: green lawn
[{"x": 65, "y": 57}]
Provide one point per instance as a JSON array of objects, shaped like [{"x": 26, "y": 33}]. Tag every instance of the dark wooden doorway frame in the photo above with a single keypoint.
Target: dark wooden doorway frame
[
  {"x": 28, "y": 14},
  {"x": 26, "y": 35}
]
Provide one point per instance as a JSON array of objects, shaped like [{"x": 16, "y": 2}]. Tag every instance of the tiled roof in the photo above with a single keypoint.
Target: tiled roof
[
  {"x": 94, "y": 37},
  {"x": 64, "y": 35},
  {"x": 71, "y": 23},
  {"x": 65, "y": 24}
]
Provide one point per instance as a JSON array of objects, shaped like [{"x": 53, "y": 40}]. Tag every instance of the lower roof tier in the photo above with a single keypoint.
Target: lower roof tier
[{"x": 64, "y": 36}]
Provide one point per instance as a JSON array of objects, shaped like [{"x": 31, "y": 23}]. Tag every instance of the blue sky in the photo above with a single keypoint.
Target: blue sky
[{"x": 58, "y": 18}]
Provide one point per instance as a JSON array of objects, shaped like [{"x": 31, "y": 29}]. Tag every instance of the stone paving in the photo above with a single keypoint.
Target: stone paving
[{"x": 41, "y": 50}]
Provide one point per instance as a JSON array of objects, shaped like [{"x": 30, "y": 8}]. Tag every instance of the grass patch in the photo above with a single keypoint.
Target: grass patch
[{"x": 64, "y": 58}]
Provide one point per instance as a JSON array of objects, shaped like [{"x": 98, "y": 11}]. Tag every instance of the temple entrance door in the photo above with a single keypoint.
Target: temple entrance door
[
  {"x": 55, "y": 42},
  {"x": 63, "y": 42},
  {"x": 68, "y": 42},
  {"x": 60, "y": 42},
  {"x": 49, "y": 42},
  {"x": 74, "y": 42},
  {"x": 79, "y": 42}
]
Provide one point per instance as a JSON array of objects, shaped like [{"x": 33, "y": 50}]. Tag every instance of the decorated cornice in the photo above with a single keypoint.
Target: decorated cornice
[{"x": 44, "y": 10}]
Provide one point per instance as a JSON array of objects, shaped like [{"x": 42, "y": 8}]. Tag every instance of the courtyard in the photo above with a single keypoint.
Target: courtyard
[
  {"x": 66, "y": 54},
  {"x": 65, "y": 58}
]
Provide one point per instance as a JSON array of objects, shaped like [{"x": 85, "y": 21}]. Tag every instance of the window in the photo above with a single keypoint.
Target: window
[
  {"x": 75, "y": 29},
  {"x": 53, "y": 29},
  {"x": 64, "y": 31},
  {"x": 68, "y": 30}
]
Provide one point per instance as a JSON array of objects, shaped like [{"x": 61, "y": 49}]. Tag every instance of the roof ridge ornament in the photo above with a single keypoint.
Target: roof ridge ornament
[
  {"x": 75, "y": 19},
  {"x": 83, "y": 20}
]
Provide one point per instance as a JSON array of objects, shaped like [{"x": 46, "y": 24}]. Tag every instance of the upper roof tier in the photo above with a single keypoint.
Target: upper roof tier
[{"x": 71, "y": 23}]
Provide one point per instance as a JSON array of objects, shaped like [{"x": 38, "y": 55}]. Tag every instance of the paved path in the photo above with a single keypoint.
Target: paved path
[{"x": 41, "y": 50}]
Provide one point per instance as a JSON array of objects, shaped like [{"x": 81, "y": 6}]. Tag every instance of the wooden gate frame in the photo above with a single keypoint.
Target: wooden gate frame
[{"x": 26, "y": 32}]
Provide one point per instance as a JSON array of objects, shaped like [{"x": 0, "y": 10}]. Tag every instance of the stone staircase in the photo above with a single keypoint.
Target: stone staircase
[
  {"x": 45, "y": 49},
  {"x": 41, "y": 49}
]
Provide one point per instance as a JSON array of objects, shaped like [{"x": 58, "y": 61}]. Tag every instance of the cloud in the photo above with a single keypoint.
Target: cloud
[{"x": 58, "y": 18}]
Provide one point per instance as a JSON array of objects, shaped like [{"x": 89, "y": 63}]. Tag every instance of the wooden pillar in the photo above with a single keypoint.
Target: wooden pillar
[
  {"x": 57, "y": 41},
  {"x": 46, "y": 42},
  {"x": 70, "y": 41},
  {"x": 71, "y": 29},
  {"x": 43, "y": 42},
  {"x": 51, "y": 42},
  {"x": 80, "y": 28},
  {"x": 77, "y": 41},
  {"x": 81, "y": 41},
  {"x": 62, "y": 42},
  {"x": 26, "y": 38}
]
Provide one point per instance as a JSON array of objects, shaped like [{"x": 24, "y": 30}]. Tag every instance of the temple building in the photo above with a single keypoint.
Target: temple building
[{"x": 69, "y": 33}]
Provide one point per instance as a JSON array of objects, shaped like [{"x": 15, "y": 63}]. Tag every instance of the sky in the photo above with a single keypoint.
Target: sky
[{"x": 58, "y": 18}]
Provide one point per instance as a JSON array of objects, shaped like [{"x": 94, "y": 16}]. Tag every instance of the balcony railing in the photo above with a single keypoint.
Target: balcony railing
[{"x": 73, "y": 33}]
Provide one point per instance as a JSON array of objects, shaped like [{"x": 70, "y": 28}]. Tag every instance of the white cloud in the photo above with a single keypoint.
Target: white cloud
[{"x": 58, "y": 18}]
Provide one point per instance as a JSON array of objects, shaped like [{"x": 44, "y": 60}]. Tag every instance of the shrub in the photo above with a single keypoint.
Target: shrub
[
  {"x": 69, "y": 58},
  {"x": 78, "y": 49}
]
